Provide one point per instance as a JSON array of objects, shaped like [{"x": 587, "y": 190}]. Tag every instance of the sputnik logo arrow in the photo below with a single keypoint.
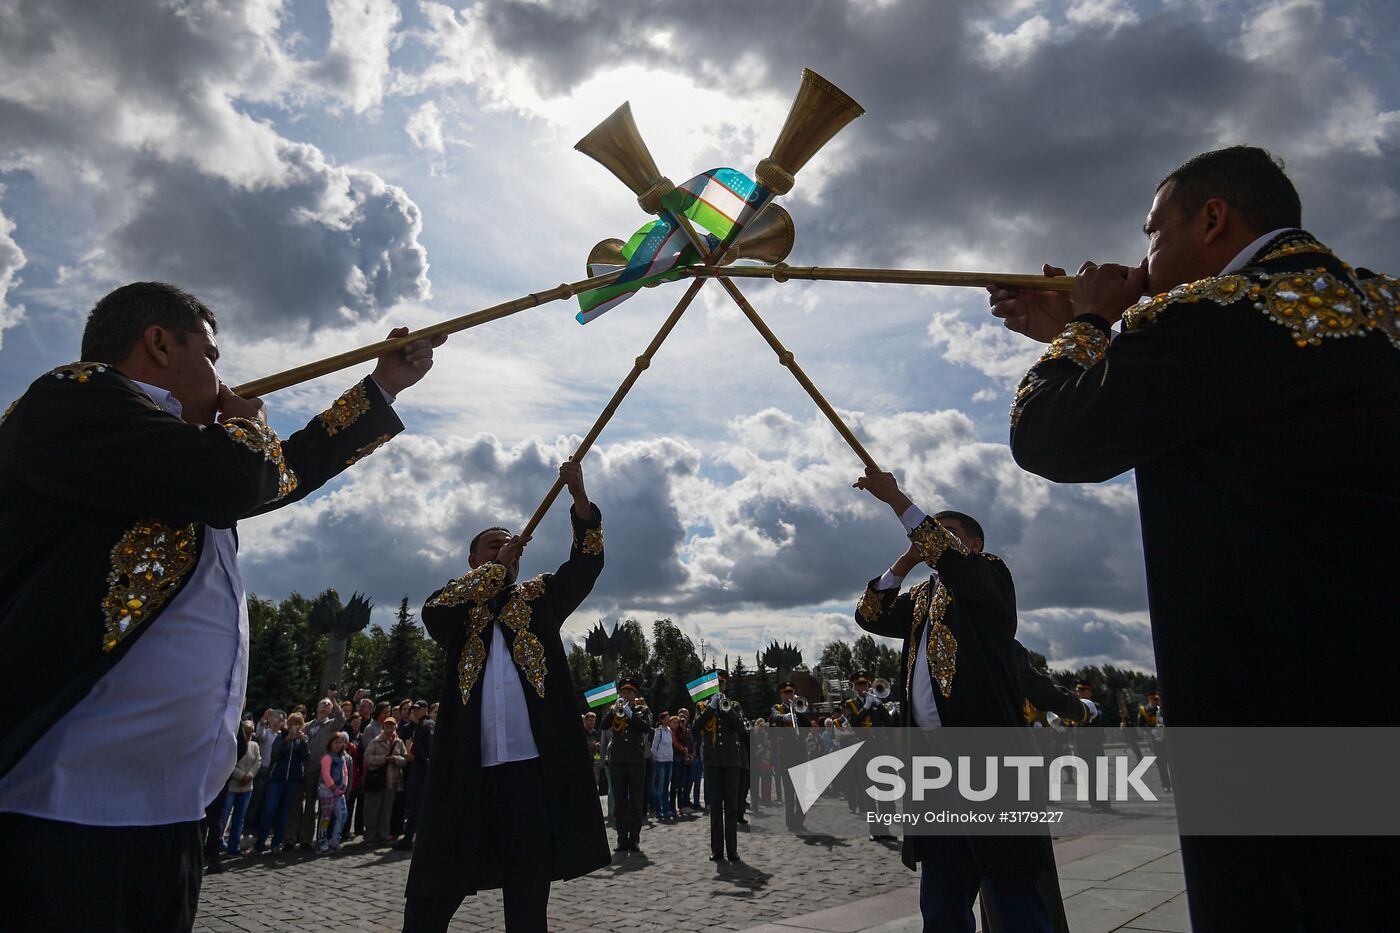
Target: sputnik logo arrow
[{"x": 811, "y": 778}]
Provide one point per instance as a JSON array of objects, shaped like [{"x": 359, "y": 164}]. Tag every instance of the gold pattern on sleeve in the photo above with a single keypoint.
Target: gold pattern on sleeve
[
  {"x": 1081, "y": 343},
  {"x": 930, "y": 606},
  {"x": 345, "y": 410},
  {"x": 260, "y": 438},
  {"x": 78, "y": 372},
  {"x": 149, "y": 562},
  {"x": 533, "y": 588},
  {"x": 473, "y": 586},
  {"x": 871, "y": 605},
  {"x": 592, "y": 542},
  {"x": 366, "y": 450},
  {"x": 933, "y": 540}
]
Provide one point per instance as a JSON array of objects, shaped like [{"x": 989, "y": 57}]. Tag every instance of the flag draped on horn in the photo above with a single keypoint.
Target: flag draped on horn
[{"x": 721, "y": 201}]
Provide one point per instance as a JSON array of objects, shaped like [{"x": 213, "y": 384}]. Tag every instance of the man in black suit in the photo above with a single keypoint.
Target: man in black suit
[
  {"x": 1257, "y": 399},
  {"x": 510, "y": 801},
  {"x": 959, "y": 661},
  {"x": 721, "y": 734}
]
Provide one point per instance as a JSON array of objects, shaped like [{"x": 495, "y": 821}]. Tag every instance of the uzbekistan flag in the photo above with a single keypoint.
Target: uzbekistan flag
[
  {"x": 601, "y": 696},
  {"x": 721, "y": 201},
  {"x": 706, "y": 685}
]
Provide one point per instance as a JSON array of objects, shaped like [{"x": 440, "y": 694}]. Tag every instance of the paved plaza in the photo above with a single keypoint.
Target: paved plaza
[{"x": 1117, "y": 872}]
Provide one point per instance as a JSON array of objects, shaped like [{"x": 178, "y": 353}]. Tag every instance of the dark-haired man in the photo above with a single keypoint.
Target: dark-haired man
[
  {"x": 790, "y": 750},
  {"x": 960, "y": 667},
  {"x": 122, "y": 478},
  {"x": 510, "y": 801},
  {"x": 1257, "y": 397},
  {"x": 721, "y": 734}
]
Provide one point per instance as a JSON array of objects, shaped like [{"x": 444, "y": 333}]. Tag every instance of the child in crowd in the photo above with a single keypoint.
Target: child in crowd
[{"x": 336, "y": 770}]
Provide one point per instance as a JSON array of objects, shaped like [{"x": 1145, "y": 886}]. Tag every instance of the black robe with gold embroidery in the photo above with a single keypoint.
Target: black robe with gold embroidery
[
  {"x": 448, "y": 857},
  {"x": 1261, "y": 412},
  {"x": 973, "y": 667},
  {"x": 103, "y": 502}
]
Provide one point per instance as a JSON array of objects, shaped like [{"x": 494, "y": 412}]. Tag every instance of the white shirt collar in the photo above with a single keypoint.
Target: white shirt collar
[
  {"x": 163, "y": 398},
  {"x": 1246, "y": 254}
]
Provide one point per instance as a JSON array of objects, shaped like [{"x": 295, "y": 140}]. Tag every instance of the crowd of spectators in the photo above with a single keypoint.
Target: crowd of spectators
[{"x": 354, "y": 770}]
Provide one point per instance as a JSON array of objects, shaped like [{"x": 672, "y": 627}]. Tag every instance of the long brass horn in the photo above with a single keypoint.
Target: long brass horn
[
  {"x": 769, "y": 234},
  {"x": 607, "y": 253},
  {"x": 617, "y": 145},
  {"x": 818, "y": 113}
]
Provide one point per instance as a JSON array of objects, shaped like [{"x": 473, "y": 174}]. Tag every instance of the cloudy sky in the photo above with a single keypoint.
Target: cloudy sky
[{"x": 322, "y": 170}]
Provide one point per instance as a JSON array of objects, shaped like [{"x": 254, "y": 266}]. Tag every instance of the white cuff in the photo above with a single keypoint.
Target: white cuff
[
  {"x": 912, "y": 518},
  {"x": 1089, "y": 705},
  {"x": 388, "y": 396},
  {"x": 889, "y": 581}
]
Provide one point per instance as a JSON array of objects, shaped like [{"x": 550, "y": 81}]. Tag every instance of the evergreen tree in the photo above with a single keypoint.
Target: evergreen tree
[
  {"x": 405, "y": 659},
  {"x": 633, "y": 655}
]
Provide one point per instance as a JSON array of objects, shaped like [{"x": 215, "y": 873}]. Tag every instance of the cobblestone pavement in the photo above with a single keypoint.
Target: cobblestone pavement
[{"x": 671, "y": 885}]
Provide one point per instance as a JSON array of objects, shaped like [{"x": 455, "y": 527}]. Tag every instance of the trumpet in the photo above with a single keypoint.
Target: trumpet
[
  {"x": 725, "y": 704},
  {"x": 880, "y": 687},
  {"x": 798, "y": 704}
]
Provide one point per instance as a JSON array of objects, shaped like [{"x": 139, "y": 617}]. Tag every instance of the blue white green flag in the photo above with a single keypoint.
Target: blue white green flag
[
  {"x": 707, "y": 685},
  {"x": 721, "y": 201},
  {"x": 601, "y": 696}
]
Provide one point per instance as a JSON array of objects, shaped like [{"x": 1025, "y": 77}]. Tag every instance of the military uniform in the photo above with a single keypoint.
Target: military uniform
[
  {"x": 627, "y": 760},
  {"x": 789, "y": 749},
  {"x": 723, "y": 746}
]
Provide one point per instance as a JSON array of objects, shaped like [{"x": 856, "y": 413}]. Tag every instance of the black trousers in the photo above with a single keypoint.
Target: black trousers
[
  {"x": 64, "y": 876},
  {"x": 724, "y": 811},
  {"x": 629, "y": 791},
  {"x": 514, "y": 834}
]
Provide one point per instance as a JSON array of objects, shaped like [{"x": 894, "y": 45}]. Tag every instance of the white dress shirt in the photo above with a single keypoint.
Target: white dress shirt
[
  {"x": 505, "y": 722},
  {"x": 1245, "y": 255},
  {"x": 923, "y": 705},
  {"x": 152, "y": 742}
]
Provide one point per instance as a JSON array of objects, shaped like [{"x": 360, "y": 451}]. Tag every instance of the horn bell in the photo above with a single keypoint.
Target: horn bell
[
  {"x": 617, "y": 145},
  {"x": 606, "y": 253},
  {"x": 818, "y": 113},
  {"x": 768, "y": 238}
]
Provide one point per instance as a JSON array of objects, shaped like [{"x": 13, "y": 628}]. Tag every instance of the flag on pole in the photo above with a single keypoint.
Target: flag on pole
[
  {"x": 601, "y": 696},
  {"x": 721, "y": 201},
  {"x": 706, "y": 685}
]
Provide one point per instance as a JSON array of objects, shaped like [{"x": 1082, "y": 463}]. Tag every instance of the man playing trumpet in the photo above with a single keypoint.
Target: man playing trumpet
[
  {"x": 1265, "y": 372},
  {"x": 789, "y": 716},
  {"x": 122, "y": 611},
  {"x": 630, "y": 725},
  {"x": 720, "y": 726},
  {"x": 510, "y": 801}
]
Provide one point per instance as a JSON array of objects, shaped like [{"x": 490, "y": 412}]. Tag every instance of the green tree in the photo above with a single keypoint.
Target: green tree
[
  {"x": 838, "y": 654},
  {"x": 585, "y": 669},
  {"x": 364, "y": 662},
  {"x": 633, "y": 655},
  {"x": 405, "y": 662},
  {"x": 674, "y": 663},
  {"x": 284, "y": 655}
]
